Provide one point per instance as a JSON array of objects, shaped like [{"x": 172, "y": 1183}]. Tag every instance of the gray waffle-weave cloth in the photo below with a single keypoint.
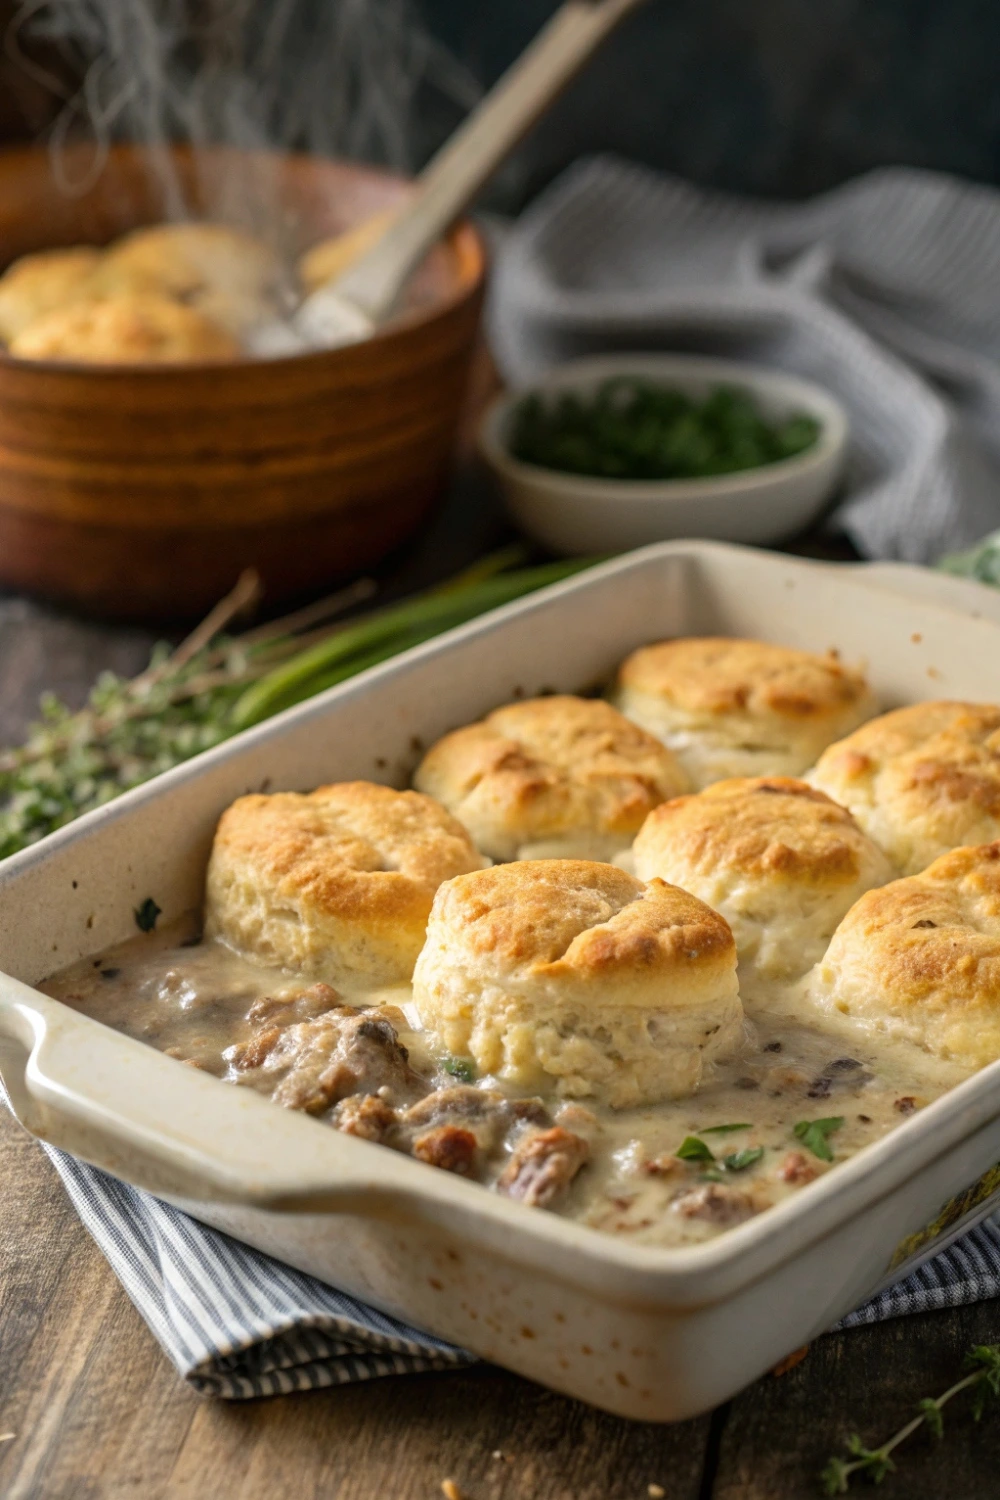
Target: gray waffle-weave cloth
[{"x": 886, "y": 291}]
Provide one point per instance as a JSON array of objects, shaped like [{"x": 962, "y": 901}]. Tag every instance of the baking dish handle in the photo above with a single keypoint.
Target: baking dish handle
[{"x": 144, "y": 1117}]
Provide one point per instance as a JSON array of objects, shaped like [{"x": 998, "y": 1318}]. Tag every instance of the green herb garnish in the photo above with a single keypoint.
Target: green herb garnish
[
  {"x": 633, "y": 428},
  {"x": 146, "y": 915},
  {"x": 460, "y": 1067},
  {"x": 814, "y": 1135},
  {"x": 693, "y": 1149},
  {"x": 721, "y": 1129},
  {"x": 740, "y": 1160},
  {"x": 876, "y": 1463}
]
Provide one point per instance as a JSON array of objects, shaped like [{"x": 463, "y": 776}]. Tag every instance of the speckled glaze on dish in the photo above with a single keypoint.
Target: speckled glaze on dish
[{"x": 651, "y": 1333}]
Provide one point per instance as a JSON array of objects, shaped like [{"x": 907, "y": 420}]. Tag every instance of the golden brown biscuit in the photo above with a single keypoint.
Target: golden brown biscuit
[
  {"x": 134, "y": 328},
  {"x": 919, "y": 960},
  {"x": 336, "y": 883},
  {"x": 551, "y": 776},
  {"x": 779, "y": 860},
  {"x": 741, "y": 708},
  {"x": 36, "y": 284},
  {"x": 921, "y": 780},
  {"x": 223, "y": 273},
  {"x": 572, "y": 974}
]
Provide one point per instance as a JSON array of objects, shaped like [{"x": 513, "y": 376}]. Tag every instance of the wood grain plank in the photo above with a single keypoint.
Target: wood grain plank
[
  {"x": 780, "y": 1432},
  {"x": 42, "y": 651},
  {"x": 402, "y": 1437},
  {"x": 82, "y": 1384}
]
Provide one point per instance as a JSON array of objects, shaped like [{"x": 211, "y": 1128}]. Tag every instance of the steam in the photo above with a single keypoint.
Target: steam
[{"x": 336, "y": 77}]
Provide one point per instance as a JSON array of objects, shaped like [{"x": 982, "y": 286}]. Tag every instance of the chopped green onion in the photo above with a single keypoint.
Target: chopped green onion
[
  {"x": 460, "y": 1067},
  {"x": 633, "y": 428}
]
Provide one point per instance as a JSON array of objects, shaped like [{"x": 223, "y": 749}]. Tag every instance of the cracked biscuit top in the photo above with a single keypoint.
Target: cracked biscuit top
[
  {"x": 556, "y": 775},
  {"x": 336, "y": 884},
  {"x": 574, "y": 973},
  {"x": 780, "y": 860},
  {"x": 919, "y": 960},
  {"x": 731, "y": 707},
  {"x": 921, "y": 780}
]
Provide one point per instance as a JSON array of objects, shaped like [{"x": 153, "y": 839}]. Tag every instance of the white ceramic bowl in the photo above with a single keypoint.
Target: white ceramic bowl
[{"x": 570, "y": 513}]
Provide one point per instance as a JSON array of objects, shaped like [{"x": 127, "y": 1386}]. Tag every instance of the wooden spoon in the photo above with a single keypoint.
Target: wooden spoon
[{"x": 352, "y": 305}]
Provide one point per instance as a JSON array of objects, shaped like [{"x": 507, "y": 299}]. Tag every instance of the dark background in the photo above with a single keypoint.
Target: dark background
[
  {"x": 776, "y": 97},
  {"x": 779, "y": 97}
]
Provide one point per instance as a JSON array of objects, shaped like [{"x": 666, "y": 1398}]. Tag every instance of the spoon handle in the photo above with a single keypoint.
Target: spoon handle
[{"x": 455, "y": 174}]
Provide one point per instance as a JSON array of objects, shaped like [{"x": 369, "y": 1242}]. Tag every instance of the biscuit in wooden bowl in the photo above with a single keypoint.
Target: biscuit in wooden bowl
[
  {"x": 36, "y": 284},
  {"x": 551, "y": 776},
  {"x": 131, "y": 328},
  {"x": 741, "y": 708},
  {"x": 572, "y": 975},
  {"x": 780, "y": 860},
  {"x": 337, "y": 883},
  {"x": 221, "y": 272},
  {"x": 921, "y": 780}
]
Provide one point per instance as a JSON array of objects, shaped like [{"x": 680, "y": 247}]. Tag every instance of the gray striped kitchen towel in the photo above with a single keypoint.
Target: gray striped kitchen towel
[
  {"x": 238, "y": 1324},
  {"x": 886, "y": 291}
]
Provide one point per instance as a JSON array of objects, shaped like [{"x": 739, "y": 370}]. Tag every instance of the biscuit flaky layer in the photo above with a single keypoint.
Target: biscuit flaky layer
[
  {"x": 919, "y": 960},
  {"x": 337, "y": 883},
  {"x": 780, "y": 860},
  {"x": 729, "y": 707},
  {"x": 575, "y": 973},
  {"x": 569, "y": 773},
  {"x": 921, "y": 780}
]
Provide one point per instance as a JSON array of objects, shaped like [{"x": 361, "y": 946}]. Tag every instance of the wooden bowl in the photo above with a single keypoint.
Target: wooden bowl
[{"x": 140, "y": 492}]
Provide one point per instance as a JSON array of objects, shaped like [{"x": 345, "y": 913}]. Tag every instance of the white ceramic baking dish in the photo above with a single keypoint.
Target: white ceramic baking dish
[{"x": 648, "y": 1333}]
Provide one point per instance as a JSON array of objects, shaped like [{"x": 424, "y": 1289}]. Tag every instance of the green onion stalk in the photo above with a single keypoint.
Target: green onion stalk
[
  {"x": 383, "y": 634},
  {"x": 216, "y": 683}
]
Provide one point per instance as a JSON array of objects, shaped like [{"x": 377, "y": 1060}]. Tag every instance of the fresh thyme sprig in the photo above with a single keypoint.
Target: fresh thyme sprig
[{"x": 983, "y": 1363}]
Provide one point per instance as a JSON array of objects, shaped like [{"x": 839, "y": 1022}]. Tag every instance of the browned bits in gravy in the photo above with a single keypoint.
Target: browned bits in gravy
[
  {"x": 449, "y": 1147},
  {"x": 664, "y": 1166},
  {"x": 796, "y": 1169},
  {"x": 716, "y": 1203},
  {"x": 365, "y": 1115},
  {"x": 542, "y": 1165},
  {"x": 357, "y": 1064}
]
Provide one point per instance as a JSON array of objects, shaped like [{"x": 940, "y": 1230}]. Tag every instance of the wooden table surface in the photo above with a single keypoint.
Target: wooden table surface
[{"x": 96, "y": 1410}]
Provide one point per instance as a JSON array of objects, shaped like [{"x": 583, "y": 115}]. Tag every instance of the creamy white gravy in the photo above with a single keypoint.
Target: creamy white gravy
[{"x": 193, "y": 1000}]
